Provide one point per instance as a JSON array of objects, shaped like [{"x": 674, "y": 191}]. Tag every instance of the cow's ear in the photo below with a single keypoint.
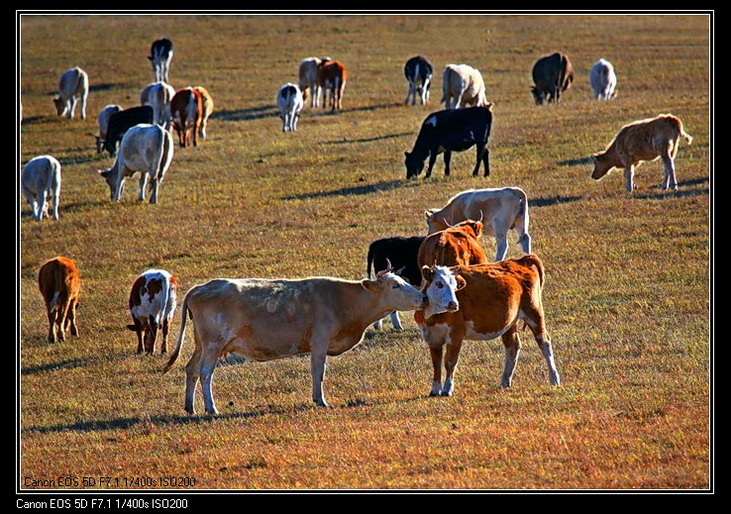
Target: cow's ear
[
  {"x": 427, "y": 273},
  {"x": 369, "y": 285},
  {"x": 461, "y": 282},
  {"x": 428, "y": 215}
]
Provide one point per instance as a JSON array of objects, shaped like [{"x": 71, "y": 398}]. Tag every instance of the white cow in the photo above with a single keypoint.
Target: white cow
[
  {"x": 158, "y": 95},
  {"x": 103, "y": 121},
  {"x": 290, "y": 103},
  {"x": 145, "y": 148},
  {"x": 268, "y": 319},
  {"x": 308, "y": 80},
  {"x": 73, "y": 86},
  {"x": 152, "y": 303},
  {"x": 499, "y": 209},
  {"x": 603, "y": 80},
  {"x": 41, "y": 184},
  {"x": 161, "y": 53},
  {"x": 462, "y": 85}
]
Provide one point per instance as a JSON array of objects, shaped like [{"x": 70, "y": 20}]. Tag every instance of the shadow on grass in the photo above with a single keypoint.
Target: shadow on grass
[
  {"x": 271, "y": 111},
  {"x": 553, "y": 200},
  {"x": 576, "y": 162},
  {"x": 346, "y": 141},
  {"x": 354, "y": 190},
  {"x": 680, "y": 193}
]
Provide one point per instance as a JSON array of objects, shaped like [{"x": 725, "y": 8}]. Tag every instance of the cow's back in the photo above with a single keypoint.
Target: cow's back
[{"x": 59, "y": 281}]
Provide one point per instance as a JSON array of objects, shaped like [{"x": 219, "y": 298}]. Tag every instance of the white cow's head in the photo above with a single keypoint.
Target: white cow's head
[
  {"x": 395, "y": 293},
  {"x": 441, "y": 286}
]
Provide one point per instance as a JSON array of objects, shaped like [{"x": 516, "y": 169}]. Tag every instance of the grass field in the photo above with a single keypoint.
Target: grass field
[{"x": 627, "y": 295}]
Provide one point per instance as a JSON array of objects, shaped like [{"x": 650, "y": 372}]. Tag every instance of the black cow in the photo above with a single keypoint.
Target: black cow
[
  {"x": 552, "y": 76},
  {"x": 418, "y": 71},
  {"x": 122, "y": 121},
  {"x": 451, "y": 130},
  {"x": 161, "y": 53},
  {"x": 402, "y": 254}
]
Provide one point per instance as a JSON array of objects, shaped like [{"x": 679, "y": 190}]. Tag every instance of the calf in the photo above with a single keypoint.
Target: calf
[
  {"x": 161, "y": 53},
  {"x": 264, "y": 319},
  {"x": 462, "y": 85},
  {"x": 103, "y": 122},
  {"x": 145, "y": 148},
  {"x": 187, "y": 114},
  {"x": 451, "y": 131},
  {"x": 643, "y": 140},
  {"x": 418, "y": 71},
  {"x": 603, "y": 80},
  {"x": 483, "y": 302},
  {"x": 308, "y": 80},
  {"x": 401, "y": 253},
  {"x": 552, "y": 76},
  {"x": 152, "y": 304},
  {"x": 289, "y": 102},
  {"x": 73, "y": 86},
  {"x": 207, "y": 102},
  {"x": 499, "y": 209},
  {"x": 158, "y": 95},
  {"x": 41, "y": 185},
  {"x": 122, "y": 121},
  {"x": 332, "y": 77},
  {"x": 60, "y": 284}
]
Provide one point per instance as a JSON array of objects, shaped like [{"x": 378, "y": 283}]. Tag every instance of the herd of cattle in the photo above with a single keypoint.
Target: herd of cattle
[{"x": 446, "y": 277}]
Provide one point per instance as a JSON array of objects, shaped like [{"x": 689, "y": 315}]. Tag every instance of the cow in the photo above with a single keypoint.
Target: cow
[
  {"x": 290, "y": 103},
  {"x": 161, "y": 53},
  {"x": 643, "y": 140},
  {"x": 158, "y": 95},
  {"x": 552, "y": 75},
  {"x": 266, "y": 319},
  {"x": 72, "y": 88},
  {"x": 603, "y": 80},
  {"x": 483, "y": 302},
  {"x": 41, "y": 185},
  {"x": 332, "y": 76},
  {"x": 187, "y": 114},
  {"x": 60, "y": 284},
  {"x": 308, "y": 80},
  {"x": 103, "y": 121},
  {"x": 418, "y": 72},
  {"x": 499, "y": 209},
  {"x": 152, "y": 303},
  {"x": 462, "y": 85},
  {"x": 146, "y": 148},
  {"x": 459, "y": 244},
  {"x": 398, "y": 252},
  {"x": 207, "y": 101},
  {"x": 122, "y": 121},
  {"x": 447, "y": 131}
]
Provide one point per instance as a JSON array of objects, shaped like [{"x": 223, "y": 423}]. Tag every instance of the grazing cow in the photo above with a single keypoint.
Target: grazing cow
[
  {"x": 103, "y": 120},
  {"x": 603, "y": 80},
  {"x": 455, "y": 245},
  {"x": 643, "y": 140},
  {"x": 161, "y": 53},
  {"x": 308, "y": 80},
  {"x": 332, "y": 77},
  {"x": 289, "y": 102},
  {"x": 207, "y": 109},
  {"x": 41, "y": 185},
  {"x": 552, "y": 76},
  {"x": 122, "y": 121},
  {"x": 59, "y": 282},
  {"x": 152, "y": 305},
  {"x": 145, "y": 148},
  {"x": 500, "y": 210},
  {"x": 73, "y": 86},
  {"x": 401, "y": 253},
  {"x": 158, "y": 95},
  {"x": 462, "y": 85},
  {"x": 490, "y": 299},
  {"x": 187, "y": 114},
  {"x": 418, "y": 71},
  {"x": 451, "y": 130},
  {"x": 269, "y": 319}
]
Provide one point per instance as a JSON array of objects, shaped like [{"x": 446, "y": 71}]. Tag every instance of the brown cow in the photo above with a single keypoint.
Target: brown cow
[
  {"x": 455, "y": 245},
  {"x": 552, "y": 75},
  {"x": 332, "y": 77},
  {"x": 186, "y": 109},
  {"x": 643, "y": 140},
  {"x": 490, "y": 300},
  {"x": 59, "y": 282}
]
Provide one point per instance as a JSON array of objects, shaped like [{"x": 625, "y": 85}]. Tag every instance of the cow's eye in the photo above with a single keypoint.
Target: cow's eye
[
  {"x": 396, "y": 286},
  {"x": 440, "y": 285}
]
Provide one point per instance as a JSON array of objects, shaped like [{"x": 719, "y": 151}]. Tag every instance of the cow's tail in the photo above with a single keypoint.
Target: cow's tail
[
  {"x": 164, "y": 152},
  {"x": 446, "y": 79},
  {"x": 688, "y": 138},
  {"x": 533, "y": 261},
  {"x": 370, "y": 261},
  {"x": 185, "y": 312},
  {"x": 522, "y": 220}
]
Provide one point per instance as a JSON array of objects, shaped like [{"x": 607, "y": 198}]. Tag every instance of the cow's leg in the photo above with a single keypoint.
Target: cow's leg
[
  {"x": 409, "y": 92},
  {"x": 140, "y": 333},
  {"x": 83, "y": 104},
  {"x": 669, "y": 181},
  {"x": 450, "y": 364},
  {"x": 165, "y": 329},
  {"x": 151, "y": 336},
  {"x": 52, "y": 326},
  {"x": 534, "y": 319},
  {"x": 318, "y": 365},
  {"x": 32, "y": 201},
  {"x": 70, "y": 107},
  {"x": 72, "y": 318},
  {"x": 154, "y": 187},
  {"x": 56, "y": 194},
  {"x": 209, "y": 357},
  {"x": 486, "y": 160},
  {"x": 396, "y": 321},
  {"x": 60, "y": 320},
  {"x": 436, "y": 360},
  {"x": 501, "y": 239},
  {"x": 192, "y": 374},
  {"x": 432, "y": 160},
  {"x": 511, "y": 342},
  {"x": 42, "y": 207},
  {"x": 143, "y": 185},
  {"x": 629, "y": 173},
  {"x": 447, "y": 160}
]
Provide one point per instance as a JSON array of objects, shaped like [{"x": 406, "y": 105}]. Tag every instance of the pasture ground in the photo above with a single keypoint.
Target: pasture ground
[{"x": 627, "y": 295}]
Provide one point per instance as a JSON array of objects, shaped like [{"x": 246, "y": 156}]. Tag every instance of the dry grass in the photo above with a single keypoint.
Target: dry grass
[{"x": 627, "y": 294}]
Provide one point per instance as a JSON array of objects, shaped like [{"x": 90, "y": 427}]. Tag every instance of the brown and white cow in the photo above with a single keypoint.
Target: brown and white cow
[
  {"x": 152, "y": 303},
  {"x": 207, "y": 109},
  {"x": 452, "y": 246},
  {"x": 264, "y": 319},
  {"x": 643, "y": 140},
  {"x": 186, "y": 110},
  {"x": 60, "y": 284},
  {"x": 332, "y": 76},
  {"x": 499, "y": 209},
  {"x": 483, "y": 302}
]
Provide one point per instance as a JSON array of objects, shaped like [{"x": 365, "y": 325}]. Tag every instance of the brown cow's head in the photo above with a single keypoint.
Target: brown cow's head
[
  {"x": 602, "y": 165},
  {"x": 475, "y": 227}
]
